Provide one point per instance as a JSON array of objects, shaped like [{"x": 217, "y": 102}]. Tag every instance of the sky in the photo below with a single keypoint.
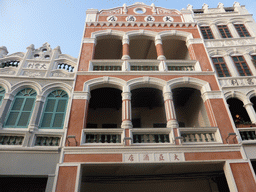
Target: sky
[{"x": 61, "y": 22}]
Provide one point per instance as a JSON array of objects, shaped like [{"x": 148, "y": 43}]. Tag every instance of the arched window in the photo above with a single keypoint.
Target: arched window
[
  {"x": 2, "y": 92},
  {"x": 21, "y": 109},
  {"x": 54, "y": 110}
]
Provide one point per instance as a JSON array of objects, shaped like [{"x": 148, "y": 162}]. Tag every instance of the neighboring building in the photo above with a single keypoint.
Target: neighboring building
[
  {"x": 148, "y": 111},
  {"x": 229, "y": 36},
  {"x": 35, "y": 97}
]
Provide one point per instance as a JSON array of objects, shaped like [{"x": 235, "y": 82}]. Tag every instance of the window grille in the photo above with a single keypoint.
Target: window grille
[
  {"x": 220, "y": 66},
  {"x": 9, "y": 64},
  {"x": 224, "y": 31},
  {"x": 241, "y": 66},
  {"x": 242, "y": 31},
  {"x": 207, "y": 32},
  {"x": 54, "y": 110},
  {"x": 21, "y": 109}
]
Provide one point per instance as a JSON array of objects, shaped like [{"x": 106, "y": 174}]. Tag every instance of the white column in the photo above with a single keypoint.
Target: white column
[
  {"x": 126, "y": 53},
  {"x": 36, "y": 113},
  {"x": 170, "y": 111},
  {"x": 232, "y": 30},
  {"x": 126, "y": 111},
  {"x": 215, "y": 31},
  {"x": 160, "y": 54},
  {"x": 251, "y": 112},
  {"x": 231, "y": 66}
]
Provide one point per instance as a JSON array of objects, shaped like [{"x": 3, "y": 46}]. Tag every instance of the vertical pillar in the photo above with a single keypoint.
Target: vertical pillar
[
  {"x": 231, "y": 66},
  {"x": 126, "y": 115},
  {"x": 126, "y": 53},
  {"x": 169, "y": 110},
  {"x": 67, "y": 179},
  {"x": 215, "y": 31},
  {"x": 8, "y": 98},
  {"x": 160, "y": 53},
  {"x": 87, "y": 97},
  {"x": 34, "y": 121},
  {"x": 233, "y": 30},
  {"x": 250, "y": 111}
]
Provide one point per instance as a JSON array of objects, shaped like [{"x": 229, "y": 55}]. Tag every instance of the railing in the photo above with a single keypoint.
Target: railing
[
  {"x": 47, "y": 141},
  {"x": 199, "y": 135},
  {"x": 66, "y": 67},
  {"x": 9, "y": 64},
  {"x": 143, "y": 65},
  {"x": 181, "y": 68},
  {"x": 103, "y": 136},
  {"x": 107, "y": 68},
  {"x": 247, "y": 135},
  {"x": 11, "y": 139},
  {"x": 151, "y": 135},
  {"x": 144, "y": 68}
]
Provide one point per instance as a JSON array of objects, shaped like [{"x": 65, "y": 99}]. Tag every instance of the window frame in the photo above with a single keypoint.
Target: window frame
[
  {"x": 241, "y": 30},
  {"x": 226, "y": 32},
  {"x": 57, "y": 97},
  {"x": 2, "y": 94},
  {"x": 208, "y": 32},
  {"x": 29, "y": 95},
  {"x": 221, "y": 67},
  {"x": 240, "y": 63}
]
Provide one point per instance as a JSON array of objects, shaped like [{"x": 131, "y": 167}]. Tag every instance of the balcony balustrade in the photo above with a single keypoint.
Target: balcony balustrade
[
  {"x": 103, "y": 136},
  {"x": 199, "y": 135},
  {"x": 11, "y": 139},
  {"x": 143, "y": 65},
  {"x": 47, "y": 141},
  {"x": 151, "y": 135}
]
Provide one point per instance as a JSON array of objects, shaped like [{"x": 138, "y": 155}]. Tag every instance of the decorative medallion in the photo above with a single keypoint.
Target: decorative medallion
[
  {"x": 130, "y": 18},
  {"x": 149, "y": 18},
  {"x": 168, "y": 19},
  {"x": 112, "y": 18}
]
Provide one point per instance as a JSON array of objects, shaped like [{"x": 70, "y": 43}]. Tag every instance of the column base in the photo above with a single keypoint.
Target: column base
[
  {"x": 126, "y": 125},
  {"x": 172, "y": 124},
  {"x": 125, "y": 57},
  {"x": 161, "y": 57}
]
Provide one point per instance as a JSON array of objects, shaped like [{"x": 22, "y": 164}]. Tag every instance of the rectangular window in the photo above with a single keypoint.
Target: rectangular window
[
  {"x": 254, "y": 60},
  {"x": 242, "y": 31},
  {"x": 207, "y": 32},
  {"x": 241, "y": 66},
  {"x": 224, "y": 31},
  {"x": 220, "y": 66}
]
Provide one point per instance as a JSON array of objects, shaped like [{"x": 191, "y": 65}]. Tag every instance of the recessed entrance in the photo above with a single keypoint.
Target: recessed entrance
[{"x": 173, "y": 177}]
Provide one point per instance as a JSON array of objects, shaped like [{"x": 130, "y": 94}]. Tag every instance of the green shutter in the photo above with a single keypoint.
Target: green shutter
[
  {"x": 21, "y": 109},
  {"x": 54, "y": 110}
]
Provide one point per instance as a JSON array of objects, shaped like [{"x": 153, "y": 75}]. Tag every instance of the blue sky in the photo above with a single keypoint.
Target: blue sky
[{"x": 61, "y": 22}]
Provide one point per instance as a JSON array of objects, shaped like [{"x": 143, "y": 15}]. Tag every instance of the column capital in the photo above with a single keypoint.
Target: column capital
[
  {"x": 8, "y": 96},
  {"x": 90, "y": 40},
  {"x": 248, "y": 104},
  {"x": 125, "y": 39},
  {"x": 82, "y": 95},
  {"x": 40, "y": 98},
  {"x": 167, "y": 95},
  {"x": 126, "y": 95}
]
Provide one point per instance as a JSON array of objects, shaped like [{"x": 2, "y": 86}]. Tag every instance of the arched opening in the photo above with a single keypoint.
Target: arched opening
[
  {"x": 238, "y": 112},
  {"x": 175, "y": 49},
  {"x": 148, "y": 108},
  {"x": 108, "y": 47},
  {"x": 105, "y": 108},
  {"x": 189, "y": 108},
  {"x": 142, "y": 47},
  {"x": 253, "y": 101}
]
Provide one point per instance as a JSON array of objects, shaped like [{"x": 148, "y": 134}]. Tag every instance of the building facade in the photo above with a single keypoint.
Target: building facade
[
  {"x": 36, "y": 89},
  {"x": 149, "y": 108},
  {"x": 158, "y": 100}
]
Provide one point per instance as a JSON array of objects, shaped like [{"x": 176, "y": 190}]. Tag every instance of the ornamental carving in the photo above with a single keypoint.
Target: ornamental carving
[
  {"x": 164, "y": 11},
  {"x": 59, "y": 75},
  {"x": 250, "y": 81},
  {"x": 112, "y": 18},
  {"x": 117, "y": 11},
  {"x": 33, "y": 74},
  {"x": 7, "y": 72},
  {"x": 40, "y": 66}
]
